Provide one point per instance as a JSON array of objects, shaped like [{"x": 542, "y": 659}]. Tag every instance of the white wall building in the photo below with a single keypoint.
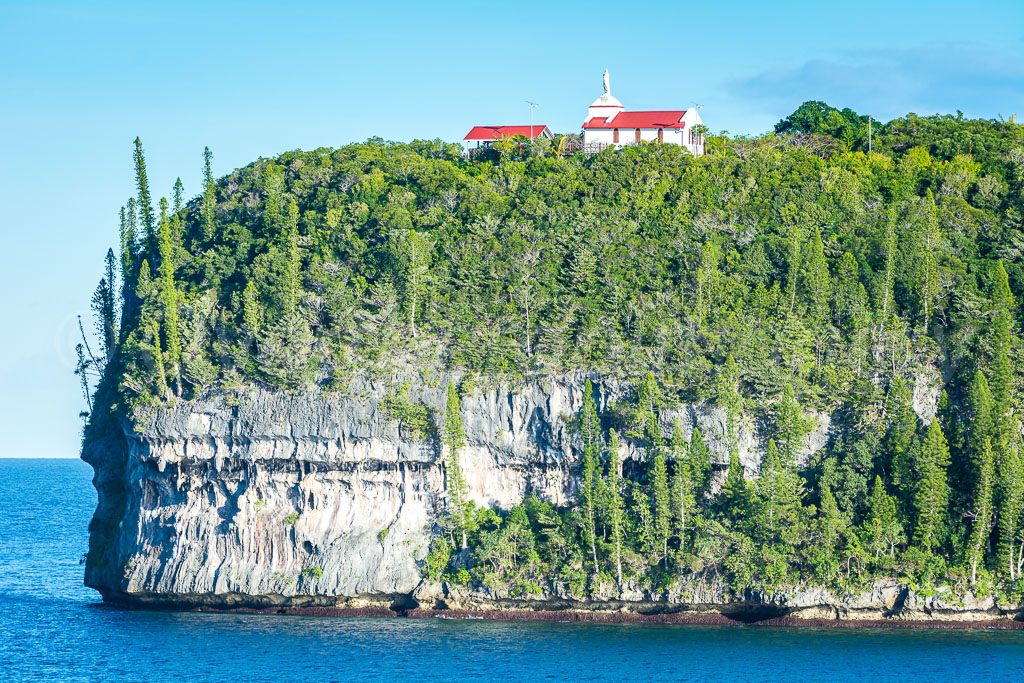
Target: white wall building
[{"x": 608, "y": 124}]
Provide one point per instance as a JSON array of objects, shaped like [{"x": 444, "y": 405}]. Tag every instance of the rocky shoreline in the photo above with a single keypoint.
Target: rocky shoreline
[{"x": 682, "y": 618}]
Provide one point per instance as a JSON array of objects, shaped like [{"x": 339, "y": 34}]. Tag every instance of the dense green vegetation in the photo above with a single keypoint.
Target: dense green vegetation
[{"x": 775, "y": 274}]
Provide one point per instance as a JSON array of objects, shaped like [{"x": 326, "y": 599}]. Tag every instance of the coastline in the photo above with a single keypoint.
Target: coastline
[{"x": 681, "y": 617}]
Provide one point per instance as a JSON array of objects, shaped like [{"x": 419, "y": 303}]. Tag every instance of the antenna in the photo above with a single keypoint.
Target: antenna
[{"x": 533, "y": 105}]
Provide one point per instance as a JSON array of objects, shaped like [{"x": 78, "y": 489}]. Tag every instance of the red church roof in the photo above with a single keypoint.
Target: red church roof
[
  {"x": 639, "y": 119},
  {"x": 496, "y": 132}
]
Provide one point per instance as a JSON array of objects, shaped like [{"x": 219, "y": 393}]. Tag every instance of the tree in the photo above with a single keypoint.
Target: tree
[
  {"x": 590, "y": 431},
  {"x": 129, "y": 245},
  {"x": 790, "y": 428},
  {"x": 979, "y": 431},
  {"x": 292, "y": 280},
  {"x": 932, "y": 490},
  {"x": 104, "y": 305},
  {"x": 252, "y": 312},
  {"x": 882, "y": 526},
  {"x": 169, "y": 296},
  {"x": 662, "y": 506},
  {"x": 1011, "y": 501},
  {"x": 819, "y": 282},
  {"x": 144, "y": 202},
  {"x": 416, "y": 248},
  {"x": 729, "y": 398},
  {"x": 930, "y": 239},
  {"x": 734, "y": 497},
  {"x": 982, "y": 510},
  {"x": 453, "y": 439},
  {"x": 178, "y": 196},
  {"x": 793, "y": 267},
  {"x": 700, "y": 463},
  {"x": 707, "y": 282},
  {"x": 683, "y": 500},
  {"x": 209, "y": 202},
  {"x": 615, "y": 503},
  {"x": 1002, "y": 369},
  {"x": 899, "y": 438}
]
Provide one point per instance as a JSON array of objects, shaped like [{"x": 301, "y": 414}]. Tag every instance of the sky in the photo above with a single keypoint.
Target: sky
[{"x": 80, "y": 80}]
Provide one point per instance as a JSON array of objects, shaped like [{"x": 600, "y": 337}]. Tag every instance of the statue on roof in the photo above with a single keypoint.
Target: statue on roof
[{"x": 607, "y": 86}]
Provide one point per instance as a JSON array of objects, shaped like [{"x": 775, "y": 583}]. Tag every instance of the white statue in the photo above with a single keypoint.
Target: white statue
[{"x": 607, "y": 87}]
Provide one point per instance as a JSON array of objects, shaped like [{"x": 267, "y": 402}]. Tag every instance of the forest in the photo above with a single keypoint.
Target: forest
[{"x": 776, "y": 274}]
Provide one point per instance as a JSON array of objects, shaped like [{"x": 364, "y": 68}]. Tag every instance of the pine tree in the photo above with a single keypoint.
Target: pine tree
[
  {"x": 292, "y": 281},
  {"x": 129, "y": 246},
  {"x": 707, "y": 282},
  {"x": 982, "y": 510},
  {"x": 979, "y": 432},
  {"x": 729, "y": 398},
  {"x": 252, "y": 312},
  {"x": 767, "y": 485},
  {"x": 932, "y": 492},
  {"x": 417, "y": 249},
  {"x": 178, "y": 196},
  {"x": 847, "y": 290},
  {"x": 662, "y": 506},
  {"x": 104, "y": 305},
  {"x": 734, "y": 498},
  {"x": 793, "y": 268},
  {"x": 882, "y": 525},
  {"x": 930, "y": 239},
  {"x": 1011, "y": 501},
  {"x": 899, "y": 438},
  {"x": 885, "y": 295},
  {"x": 590, "y": 431},
  {"x": 144, "y": 202},
  {"x": 209, "y": 201},
  {"x": 454, "y": 438},
  {"x": 683, "y": 500},
  {"x": 615, "y": 504},
  {"x": 169, "y": 296},
  {"x": 780, "y": 491},
  {"x": 830, "y": 519},
  {"x": 700, "y": 464},
  {"x": 1002, "y": 369},
  {"x": 819, "y": 283},
  {"x": 790, "y": 428},
  {"x": 158, "y": 360}
]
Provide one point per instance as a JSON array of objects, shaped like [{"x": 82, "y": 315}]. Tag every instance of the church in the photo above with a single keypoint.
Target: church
[{"x": 608, "y": 124}]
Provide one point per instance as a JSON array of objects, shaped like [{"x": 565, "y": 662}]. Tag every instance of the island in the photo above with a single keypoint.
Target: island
[{"x": 778, "y": 382}]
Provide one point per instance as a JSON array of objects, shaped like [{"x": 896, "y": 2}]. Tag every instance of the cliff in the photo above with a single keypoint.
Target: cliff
[{"x": 306, "y": 500}]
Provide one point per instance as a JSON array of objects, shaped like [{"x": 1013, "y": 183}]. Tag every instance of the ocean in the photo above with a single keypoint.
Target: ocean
[{"x": 53, "y": 628}]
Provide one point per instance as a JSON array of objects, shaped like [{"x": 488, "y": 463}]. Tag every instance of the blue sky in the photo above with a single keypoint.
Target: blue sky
[{"x": 79, "y": 80}]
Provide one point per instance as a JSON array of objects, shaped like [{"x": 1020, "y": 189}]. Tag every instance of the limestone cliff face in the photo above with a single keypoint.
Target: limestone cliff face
[
  {"x": 270, "y": 498},
  {"x": 275, "y": 497}
]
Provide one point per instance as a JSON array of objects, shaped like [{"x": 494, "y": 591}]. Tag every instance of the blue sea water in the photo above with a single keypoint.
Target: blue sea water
[{"x": 52, "y": 628}]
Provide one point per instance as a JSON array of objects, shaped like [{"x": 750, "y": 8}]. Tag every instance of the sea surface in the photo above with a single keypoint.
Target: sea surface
[{"x": 53, "y": 628}]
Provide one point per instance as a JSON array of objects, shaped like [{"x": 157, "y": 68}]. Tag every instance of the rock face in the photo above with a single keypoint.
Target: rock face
[{"x": 310, "y": 500}]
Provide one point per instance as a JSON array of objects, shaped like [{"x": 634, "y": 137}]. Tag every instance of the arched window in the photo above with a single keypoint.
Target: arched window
[
  {"x": 661, "y": 135},
  {"x": 615, "y": 135},
  {"x": 638, "y": 135}
]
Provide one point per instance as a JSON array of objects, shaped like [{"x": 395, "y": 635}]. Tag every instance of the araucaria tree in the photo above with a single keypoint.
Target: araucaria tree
[
  {"x": 590, "y": 432},
  {"x": 453, "y": 437},
  {"x": 932, "y": 493}
]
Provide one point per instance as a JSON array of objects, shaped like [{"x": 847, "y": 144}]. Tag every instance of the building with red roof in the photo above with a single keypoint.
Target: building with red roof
[
  {"x": 484, "y": 136},
  {"x": 608, "y": 124}
]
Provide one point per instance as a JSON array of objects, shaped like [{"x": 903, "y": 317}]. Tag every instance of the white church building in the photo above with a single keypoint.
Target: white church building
[{"x": 608, "y": 124}]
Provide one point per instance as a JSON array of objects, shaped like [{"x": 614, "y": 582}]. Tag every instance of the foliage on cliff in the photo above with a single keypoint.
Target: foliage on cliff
[{"x": 788, "y": 270}]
